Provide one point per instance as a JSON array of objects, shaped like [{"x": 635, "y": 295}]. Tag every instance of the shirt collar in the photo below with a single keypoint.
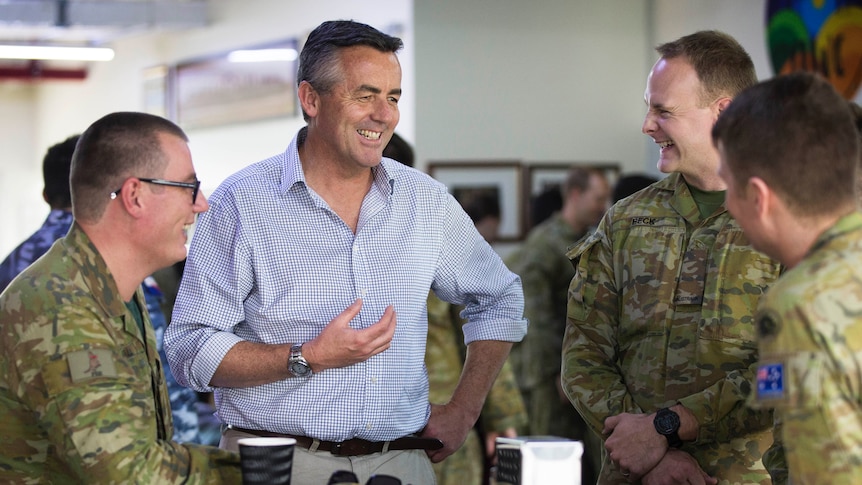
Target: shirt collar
[
  {"x": 383, "y": 173},
  {"x": 849, "y": 223}
]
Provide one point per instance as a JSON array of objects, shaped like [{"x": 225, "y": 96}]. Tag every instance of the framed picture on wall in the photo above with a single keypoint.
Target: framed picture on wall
[
  {"x": 242, "y": 85},
  {"x": 543, "y": 179},
  {"x": 498, "y": 179}
]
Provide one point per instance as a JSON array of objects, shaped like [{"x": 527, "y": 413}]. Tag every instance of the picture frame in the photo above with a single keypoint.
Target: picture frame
[
  {"x": 156, "y": 91},
  {"x": 242, "y": 85},
  {"x": 500, "y": 178},
  {"x": 545, "y": 176}
]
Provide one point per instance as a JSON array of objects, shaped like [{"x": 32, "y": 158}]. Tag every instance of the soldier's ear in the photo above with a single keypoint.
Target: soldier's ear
[
  {"x": 129, "y": 196},
  {"x": 762, "y": 197}
]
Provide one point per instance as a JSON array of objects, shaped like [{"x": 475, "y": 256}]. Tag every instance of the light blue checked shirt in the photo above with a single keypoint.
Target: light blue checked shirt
[{"x": 271, "y": 262}]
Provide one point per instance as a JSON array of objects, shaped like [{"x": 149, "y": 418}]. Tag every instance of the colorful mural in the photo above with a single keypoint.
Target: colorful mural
[{"x": 817, "y": 35}]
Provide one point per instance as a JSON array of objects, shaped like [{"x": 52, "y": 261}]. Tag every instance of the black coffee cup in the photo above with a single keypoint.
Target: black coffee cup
[{"x": 266, "y": 461}]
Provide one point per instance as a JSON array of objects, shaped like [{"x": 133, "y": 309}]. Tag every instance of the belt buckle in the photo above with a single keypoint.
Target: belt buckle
[{"x": 350, "y": 448}]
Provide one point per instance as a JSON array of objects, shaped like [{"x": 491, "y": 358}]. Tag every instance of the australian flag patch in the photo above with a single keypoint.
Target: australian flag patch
[{"x": 770, "y": 381}]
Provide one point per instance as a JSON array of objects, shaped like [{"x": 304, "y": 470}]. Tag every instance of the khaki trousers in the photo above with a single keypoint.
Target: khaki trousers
[{"x": 409, "y": 466}]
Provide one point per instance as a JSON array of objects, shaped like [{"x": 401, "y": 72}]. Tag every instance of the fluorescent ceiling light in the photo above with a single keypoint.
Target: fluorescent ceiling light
[
  {"x": 56, "y": 53},
  {"x": 262, "y": 55}
]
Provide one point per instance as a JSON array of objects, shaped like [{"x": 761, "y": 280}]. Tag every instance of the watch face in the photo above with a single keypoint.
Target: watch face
[
  {"x": 299, "y": 369},
  {"x": 667, "y": 422}
]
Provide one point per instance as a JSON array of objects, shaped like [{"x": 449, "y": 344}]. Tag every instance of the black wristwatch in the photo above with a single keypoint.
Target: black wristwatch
[
  {"x": 296, "y": 364},
  {"x": 666, "y": 422}
]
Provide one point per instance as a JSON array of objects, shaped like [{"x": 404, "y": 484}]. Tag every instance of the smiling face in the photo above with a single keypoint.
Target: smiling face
[
  {"x": 677, "y": 120},
  {"x": 173, "y": 211},
  {"x": 356, "y": 118}
]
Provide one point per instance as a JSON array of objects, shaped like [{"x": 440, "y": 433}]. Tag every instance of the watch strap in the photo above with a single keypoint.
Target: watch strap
[{"x": 296, "y": 363}]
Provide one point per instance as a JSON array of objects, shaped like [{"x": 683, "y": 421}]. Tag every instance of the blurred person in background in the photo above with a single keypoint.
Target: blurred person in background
[
  {"x": 503, "y": 413},
  {"x": 541, "y": 263}
]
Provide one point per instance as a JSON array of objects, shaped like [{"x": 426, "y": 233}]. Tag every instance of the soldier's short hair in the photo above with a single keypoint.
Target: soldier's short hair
[
  {"x": 578, "y": 178},
  {"x": 722, "y": 65},
  {"x": 796, "y": 133},
  {"x": 115, "y": 147}
]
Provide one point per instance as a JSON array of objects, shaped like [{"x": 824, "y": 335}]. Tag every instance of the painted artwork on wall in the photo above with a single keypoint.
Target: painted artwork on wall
[{"x": 822, "y": 36}]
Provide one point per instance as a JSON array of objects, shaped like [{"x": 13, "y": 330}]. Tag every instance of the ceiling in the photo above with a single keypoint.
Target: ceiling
[
  {"x": 84, "y": 23},
  {"x": 93, "y": 22}
]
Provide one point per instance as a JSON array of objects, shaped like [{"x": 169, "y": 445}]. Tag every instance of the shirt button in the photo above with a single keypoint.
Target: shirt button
[
  {"x": 363, "y": 292},
  {"x": 374, "y": 380},
  {"x": 368, "y": 426}
]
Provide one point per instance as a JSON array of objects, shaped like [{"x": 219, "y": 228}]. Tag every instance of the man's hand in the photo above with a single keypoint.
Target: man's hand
[
  {"x": 450, "y": 425},
  {"x": 678, "y": 467},
  {"x": 634, "y": 445},
  {"x": 452, "y": 421},
  {"x": 249, "y": 364},
  {"x": 339, "y": 345}
]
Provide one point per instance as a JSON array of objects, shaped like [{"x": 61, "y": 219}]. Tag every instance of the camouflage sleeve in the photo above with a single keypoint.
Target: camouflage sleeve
[
  {"x": 95, "y": 405},
  {"x": 722, "y": 411},
  {"x": 504, "y": 407},
  {"x": 91, "y": 425},
  {"x": 803, "y": 374},
  {"x": 590, "y": 375}
]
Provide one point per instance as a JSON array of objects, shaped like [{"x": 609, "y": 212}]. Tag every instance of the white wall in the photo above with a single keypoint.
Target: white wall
[
  {"x": 554, "y": 80},
  {"x": 546, "y": 80},
  {"x": 745, "y": 20},
  {"x": 37, "y": 116},
  {"x": 21, "y": 206}
]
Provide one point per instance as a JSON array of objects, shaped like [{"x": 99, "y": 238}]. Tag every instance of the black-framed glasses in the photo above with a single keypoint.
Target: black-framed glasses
[{"x": 195, "y": 186}]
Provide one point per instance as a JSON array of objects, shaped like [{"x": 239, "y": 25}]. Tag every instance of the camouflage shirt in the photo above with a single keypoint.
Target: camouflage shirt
[
  {"x": 810, "y": 370},
  {"x": 661, "y": 311},
  {"x": 82, "y": 392},
  {"x": 545, "y": 273}
]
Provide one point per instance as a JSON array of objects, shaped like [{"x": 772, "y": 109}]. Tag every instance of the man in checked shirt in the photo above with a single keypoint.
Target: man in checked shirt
[{"x": 287, "y": 307}]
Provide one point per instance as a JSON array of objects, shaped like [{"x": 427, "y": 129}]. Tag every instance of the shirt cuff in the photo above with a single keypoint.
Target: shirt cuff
[{"x": 209, "y": 358}]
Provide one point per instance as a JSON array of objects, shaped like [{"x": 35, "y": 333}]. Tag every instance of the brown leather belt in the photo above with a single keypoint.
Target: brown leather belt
[{"x": 352, "y": 447}]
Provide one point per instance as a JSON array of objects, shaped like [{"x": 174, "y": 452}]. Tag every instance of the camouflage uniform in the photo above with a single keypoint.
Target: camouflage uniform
[
  {"x": 661, "y": 312},
  {"x": 444, "y": 358},
  {"x": 810, "y": 338},
  {"x": 545, "y": 273},
  {"x": 82, "y": 393},
  {"x": 184, "y": 401}
]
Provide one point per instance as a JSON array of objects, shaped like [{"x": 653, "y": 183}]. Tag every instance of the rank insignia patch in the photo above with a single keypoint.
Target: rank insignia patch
[{"x": 86, "y": 364}]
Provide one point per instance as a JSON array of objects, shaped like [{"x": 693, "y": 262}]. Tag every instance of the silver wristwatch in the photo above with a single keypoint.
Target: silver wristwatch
[{"x": 296, "y": 364}]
